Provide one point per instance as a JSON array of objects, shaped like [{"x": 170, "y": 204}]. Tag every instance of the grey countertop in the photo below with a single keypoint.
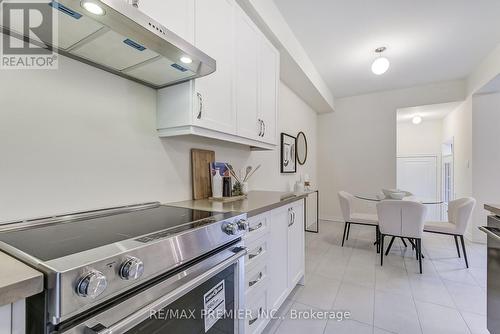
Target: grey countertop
[
  {"x": 18, "y": 281},
  {"x": 255, "y": 203},
  {"x": 493, "y": 208}
]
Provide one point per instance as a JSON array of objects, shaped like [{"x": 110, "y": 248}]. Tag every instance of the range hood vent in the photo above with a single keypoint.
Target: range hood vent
[{"x": 123, "y": 41}]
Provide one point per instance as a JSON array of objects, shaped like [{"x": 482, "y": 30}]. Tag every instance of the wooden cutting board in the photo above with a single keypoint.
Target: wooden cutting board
[{"x": 200, "y": 169}]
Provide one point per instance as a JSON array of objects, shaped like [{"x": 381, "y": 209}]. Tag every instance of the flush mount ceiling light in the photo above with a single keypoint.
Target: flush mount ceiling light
[
  {"x": 186, "y": 60},
  {"x": 416, "y": 119},
  {"x": 381, "y": 64},
  {"x": 92, "y": 7}
]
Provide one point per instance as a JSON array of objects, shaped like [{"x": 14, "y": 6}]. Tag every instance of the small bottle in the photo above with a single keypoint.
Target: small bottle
[
  {"x": 226, "y": 186},
  {"x": 217, "y": 185}
]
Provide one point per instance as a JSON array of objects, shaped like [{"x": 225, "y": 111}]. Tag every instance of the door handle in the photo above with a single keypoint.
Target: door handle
[
  {"x": 200, "y": 105},
  {"x": 257, "y": 280},
  {"x": 254, "y": 255},
  {"x": 251, "y": 321},
  {"x": 251, "y": 229}
]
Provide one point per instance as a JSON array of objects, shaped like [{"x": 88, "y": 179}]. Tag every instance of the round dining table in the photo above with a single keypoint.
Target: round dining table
[{"x": 378, "y": 198}]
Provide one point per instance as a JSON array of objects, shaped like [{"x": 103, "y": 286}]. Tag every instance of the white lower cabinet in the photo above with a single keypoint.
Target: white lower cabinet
[
  {"x": 274, "y": 263},
  {"x": 13, "y": 318}
]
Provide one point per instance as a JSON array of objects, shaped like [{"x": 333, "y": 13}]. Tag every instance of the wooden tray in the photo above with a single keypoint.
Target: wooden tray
[{"x": 227, "y": 199}]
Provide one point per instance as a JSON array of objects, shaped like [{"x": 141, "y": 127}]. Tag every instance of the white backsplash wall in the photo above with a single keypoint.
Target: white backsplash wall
[{"x": 80, "y": 138}]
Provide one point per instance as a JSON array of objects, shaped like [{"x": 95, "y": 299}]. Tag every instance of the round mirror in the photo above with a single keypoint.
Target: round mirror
[{"x": 301, "y": 148}]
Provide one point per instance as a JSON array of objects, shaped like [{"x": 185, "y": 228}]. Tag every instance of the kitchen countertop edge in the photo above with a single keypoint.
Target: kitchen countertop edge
[
  {"x": 493, "y": 208},
  {"x": 23, "y": 282},
  {"x": 276, "y": 200}
]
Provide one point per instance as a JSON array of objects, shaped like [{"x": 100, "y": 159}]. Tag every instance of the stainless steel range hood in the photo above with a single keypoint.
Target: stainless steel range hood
[{"x": 123, "y": 41}]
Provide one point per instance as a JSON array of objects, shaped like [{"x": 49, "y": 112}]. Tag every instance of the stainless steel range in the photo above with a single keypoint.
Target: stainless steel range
[{"x": 121, "y": 269}]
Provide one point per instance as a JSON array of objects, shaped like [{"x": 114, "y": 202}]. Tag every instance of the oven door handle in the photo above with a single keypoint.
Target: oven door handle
[{"x": 142, "y": 314}]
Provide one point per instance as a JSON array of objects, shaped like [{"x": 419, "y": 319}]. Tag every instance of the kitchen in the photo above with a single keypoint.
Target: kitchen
[{"x": 105, "y": 131}]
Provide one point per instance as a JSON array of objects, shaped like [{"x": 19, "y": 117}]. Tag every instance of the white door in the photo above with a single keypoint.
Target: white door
[
  {"x": 269, "y": 86},
  {"x": 278, "y": 250},
  {"x": 214, "y": 35},
  {"x": 448, "y": 187},
  {"x": 247, "y": 75},
  {"x": 418, "y": 175},
  {"x": 296, "y": 256}
]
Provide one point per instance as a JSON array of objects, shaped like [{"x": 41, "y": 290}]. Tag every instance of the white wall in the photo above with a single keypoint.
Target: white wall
[
  {"x": 357, "y": 143},
  {"x": 421, "y": 139},
  {"x": 80, "y": 138},
  {"x": 485, "y": 156}
]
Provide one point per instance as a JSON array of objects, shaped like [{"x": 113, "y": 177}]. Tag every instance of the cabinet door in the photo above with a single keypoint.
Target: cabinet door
[
  {"x": 268, "y": 88},
  {"x": 296, "y": 256},
  {"x": 278, "y": 279},
  {"x": 177, "y": 16},
  {"x": 247, "y": 76},
  {"x": 214, "y": 35}
]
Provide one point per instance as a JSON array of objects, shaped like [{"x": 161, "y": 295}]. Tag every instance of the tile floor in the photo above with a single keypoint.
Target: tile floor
[{"x": 395, "y": 298}]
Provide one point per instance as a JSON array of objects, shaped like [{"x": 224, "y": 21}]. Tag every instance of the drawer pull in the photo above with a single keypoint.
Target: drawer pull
[
  {"x": 252, "y": 321},
  {"x": 251, "y": 229},
  {"x": 254, "y": 255},
  {"x": 252, "y": 283}
]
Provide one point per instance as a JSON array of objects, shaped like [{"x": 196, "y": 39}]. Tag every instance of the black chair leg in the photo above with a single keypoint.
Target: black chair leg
[
  {"x": 382, "y": 249},
  {"x": 348, "y": 230},
  {"x": 419, "y": 251},
  {"x": 456, "y": 244},
  {"x": 377, "y": 239},
  {"x": 404, "y": 242},
  {"x": 390, "y": 245},
  {"x": 463, "y": 250},
  {"x": 343, "y": 237}
]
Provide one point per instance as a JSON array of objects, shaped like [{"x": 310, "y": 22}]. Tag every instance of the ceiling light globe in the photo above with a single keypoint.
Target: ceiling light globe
[
  {"x": 416, "y": 120},
  {"x": 380, "y": 65}
]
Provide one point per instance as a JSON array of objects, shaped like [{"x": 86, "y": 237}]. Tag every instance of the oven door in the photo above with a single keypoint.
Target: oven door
[{"x": 204, "y": 298}]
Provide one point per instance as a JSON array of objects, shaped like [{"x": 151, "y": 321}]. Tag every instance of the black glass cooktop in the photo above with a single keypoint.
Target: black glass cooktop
[{"x": 55, "y": 241}]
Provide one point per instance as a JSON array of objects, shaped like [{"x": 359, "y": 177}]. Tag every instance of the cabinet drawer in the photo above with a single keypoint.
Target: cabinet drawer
[
  {"x": 257, "y": 252},
  {"x": 257, "y": 227},
  {"x": 257, "y": 307},
  {"x": 256, "y": 278}
]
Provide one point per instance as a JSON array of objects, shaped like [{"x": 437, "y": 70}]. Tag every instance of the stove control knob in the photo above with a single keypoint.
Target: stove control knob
[
  {"x": 92, "y": 284},
  {"x": 230, "y": 228},
  {"x": 132, "y": 269},
  {"x": 243, "y": 225}
]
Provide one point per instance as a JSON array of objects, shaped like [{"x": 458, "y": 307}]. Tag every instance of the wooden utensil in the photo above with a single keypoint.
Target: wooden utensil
[{"x": 200, "y": 172}]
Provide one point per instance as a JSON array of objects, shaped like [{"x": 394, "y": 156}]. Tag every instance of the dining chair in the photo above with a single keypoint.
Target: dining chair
[
  {"x": 459, "y": 215},
  {"x": 403, "y": 219},
  {"x": 346, "y": 200}
]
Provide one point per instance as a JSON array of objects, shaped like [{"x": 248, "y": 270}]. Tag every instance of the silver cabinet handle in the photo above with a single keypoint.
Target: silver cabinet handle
[
  {"x": 251, "y": 229},
  {"x": 200, "y": 104},
  {"x": 290, "y": 221},
  {"x": 292, "y": 217},
  {"x": 254, "y": 255},
  {"x": 260, "y": 127},
  {"x": 252, "y": 283},
  {"x": 264, "y": 127},
  {"x": 251, "y": 321}
]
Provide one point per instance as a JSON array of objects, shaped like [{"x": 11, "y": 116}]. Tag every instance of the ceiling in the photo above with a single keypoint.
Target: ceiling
[
  {"x": 427, "y": 41},
  {"x": 428, "y": 112}
]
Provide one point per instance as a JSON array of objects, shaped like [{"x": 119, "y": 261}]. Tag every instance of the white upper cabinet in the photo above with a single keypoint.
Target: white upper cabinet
[
  {"x": 176, "y": 16},
  {"x": 238, "y": 102},
  {"x": 247, "y": 77},
  {"x": 214, "y": 35},
  {"x": 269, "y": 89}
]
